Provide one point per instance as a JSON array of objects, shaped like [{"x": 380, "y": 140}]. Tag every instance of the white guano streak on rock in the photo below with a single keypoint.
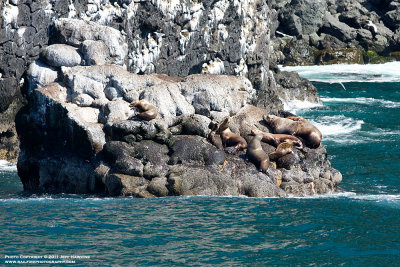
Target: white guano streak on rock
[
  {"x": 168, "y": 7},
  {"x": 241, "y": 69},
  {"x": 143, "y": 59},
  {"x": 215, "y": 66},
  {"x": 72, "y": 13},
  {"x": 193, "y": 14},
  {"x": 10, "y": 15},
  {"x": 106, "y": 14},
  {"x": 214, "y": 17}
]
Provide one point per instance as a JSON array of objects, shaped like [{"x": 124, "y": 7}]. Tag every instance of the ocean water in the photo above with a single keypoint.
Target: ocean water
[{"x": 359, "y": 121}]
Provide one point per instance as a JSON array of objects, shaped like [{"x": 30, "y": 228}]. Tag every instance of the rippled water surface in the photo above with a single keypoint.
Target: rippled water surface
[{"x": 358, "y": 228}]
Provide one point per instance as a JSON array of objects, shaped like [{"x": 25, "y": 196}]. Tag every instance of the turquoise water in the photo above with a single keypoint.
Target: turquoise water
[{"x": 358, "y": 228}]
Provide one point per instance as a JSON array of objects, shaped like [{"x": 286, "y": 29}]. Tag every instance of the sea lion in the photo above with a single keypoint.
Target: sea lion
[
  {"x": 256, "y": 154},
  {"x": 231, "y": 141},
  {"x": 283, "y": 149},
  {"x": 215, "y": 139},
  {"x": 147, "y": 111},
  {"x": 296, "y": 118},
  {"x": 276, "y": 139},
  {"x": 309, "y": 133}
]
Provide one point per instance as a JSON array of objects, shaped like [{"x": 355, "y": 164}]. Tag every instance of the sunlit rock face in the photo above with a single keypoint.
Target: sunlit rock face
[{"x": 171, "y": 37}]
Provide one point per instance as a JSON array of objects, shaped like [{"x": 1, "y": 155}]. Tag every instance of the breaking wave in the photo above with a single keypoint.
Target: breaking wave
[
  {"x": 339, "y": 73},
  {"x": 338, "y": 124},
  {"x": 7, "y": 166},
  {"x": 295, "y": 105},
  {"x": 362, "y": 100}
]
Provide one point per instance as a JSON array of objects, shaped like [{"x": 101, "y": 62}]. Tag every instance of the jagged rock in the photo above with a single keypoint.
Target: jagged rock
[
  {"x": 225, "y": 94},
  {"x": 117, "y": 110},
  {"x": 338, "y": 29},
  {"x": 112, "y": 93},
  {"x": 346, "y": 56},
  {"x": 158, "y": 187},
  {"x": 302, "y": 17},
  {"x": 192, "y": 125},
  {"x": 154, "y": 129},
  {"x": 120, "y": 157},
  {"x": 83, "y": 100},
  {"x": 74, "y": 32},
  {"x": 330, "y": 42},
  {"x": 40, "y": 75},
  {"x": 188, "y": 149},
  {"x": 298, "y": 52},
  {"x": 117, "y": 184},
  {"x": 393, "y": 17},
  {"x": 95, "y": 52},
  {"x": 294, "y": 88},
  {"x": 377, "y": 44},
  {"x": 185, "y": 181},
  {"x": 58, "y": 55}
]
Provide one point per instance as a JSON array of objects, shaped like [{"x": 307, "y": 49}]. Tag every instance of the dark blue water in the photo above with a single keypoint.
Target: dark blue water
[{"x": 358, "y": 228}]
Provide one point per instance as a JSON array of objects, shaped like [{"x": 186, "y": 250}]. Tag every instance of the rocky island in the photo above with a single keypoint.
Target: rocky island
[{"x": 76, "y": 68}]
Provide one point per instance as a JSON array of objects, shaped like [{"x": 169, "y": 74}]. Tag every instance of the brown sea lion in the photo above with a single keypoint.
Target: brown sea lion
[
  {"x": 231, "y": 141},
  {"x": 309, "y": 133},
  {"x": 215, "y": 139},
  {"x": 283, "y": 149},
  {"x": 276, "y": 139},
  {"x": 296, "y": 118},
  {"x": 256, "y": 154},
  {"x": 147, "y": 111}
]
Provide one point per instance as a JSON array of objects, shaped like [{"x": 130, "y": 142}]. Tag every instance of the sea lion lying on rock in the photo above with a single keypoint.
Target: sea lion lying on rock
[
  {"x": 147, "y": 111},
  {"x": 283, "y": 149},
  {"x": 276, "y": 139},
  {"x": 256, "y": 154},
  {"x": 231, "y": 141},
  {"x": 299, "y": 127}
]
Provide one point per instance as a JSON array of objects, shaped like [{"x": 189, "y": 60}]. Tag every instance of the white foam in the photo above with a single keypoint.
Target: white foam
[
  {"x": 335, "y": 125},
  {"x": 388, "y": 72},
  {"x": 7, "y": 166},
  {"x": 363, "y": 100},
  {"x": 296, "y": 105}
]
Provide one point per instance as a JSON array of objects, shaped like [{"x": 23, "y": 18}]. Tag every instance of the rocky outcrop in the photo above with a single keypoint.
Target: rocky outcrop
[
  {"x": 331, "y": 32},
  {"x": 79, "y": 134},
  {"x": 74, "y": 148}
]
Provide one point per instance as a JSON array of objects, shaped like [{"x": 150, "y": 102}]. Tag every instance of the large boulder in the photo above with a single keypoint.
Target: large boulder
[
  {"x": 302, "y": 17},
  {"x": 74, "y": 32}
]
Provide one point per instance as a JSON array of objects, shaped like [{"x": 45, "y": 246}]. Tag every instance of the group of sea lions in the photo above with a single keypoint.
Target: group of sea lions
[{"x": 288, "y": 132}]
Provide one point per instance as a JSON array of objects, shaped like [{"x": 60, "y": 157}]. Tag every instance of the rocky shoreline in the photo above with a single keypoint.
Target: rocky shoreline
[{"x": 74, "y": 68}]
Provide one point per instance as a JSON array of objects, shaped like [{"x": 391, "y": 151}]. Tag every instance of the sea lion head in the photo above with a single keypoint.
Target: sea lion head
[{"x": 224, "y": 125}]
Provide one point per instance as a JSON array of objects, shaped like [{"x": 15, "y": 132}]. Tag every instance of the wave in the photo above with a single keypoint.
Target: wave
[
  {"x": 296, "y": 105},
  {"x": 378, "y": 198},
  {"x": 336, "y": 125},
  {"x": 339, "y": 73},
  {"x": 7, "y": 166},
  {"x": 362, "y": 100}
]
